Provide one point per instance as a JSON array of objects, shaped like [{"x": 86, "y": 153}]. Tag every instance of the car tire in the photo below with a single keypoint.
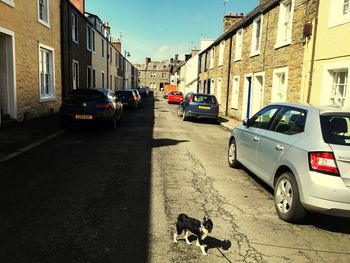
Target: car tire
[
  {"x": 232, "y": 154},
  {"x": 64, "y": 124},
  {"x": 112, "y": 125},
  {"x": 179, "y": 111},
  {"x": 120, "y": 118},
  {"x": 184, "y": 116},
  {"x": 287, "y": 199}
]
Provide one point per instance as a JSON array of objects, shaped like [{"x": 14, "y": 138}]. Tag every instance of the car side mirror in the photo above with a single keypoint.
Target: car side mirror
[{"x": 246, "y": 122}]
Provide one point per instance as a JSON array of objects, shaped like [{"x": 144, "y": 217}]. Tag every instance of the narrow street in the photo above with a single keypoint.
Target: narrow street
[{"x": 90, "y": 195}]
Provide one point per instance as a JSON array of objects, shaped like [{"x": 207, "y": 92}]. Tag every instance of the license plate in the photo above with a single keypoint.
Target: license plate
[
  {"x": 83, "y": 117},
  {"x": 204, "y": 107}
]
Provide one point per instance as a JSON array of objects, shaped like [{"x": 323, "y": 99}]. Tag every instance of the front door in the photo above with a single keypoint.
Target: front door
[{"x": 7, "y": 83}]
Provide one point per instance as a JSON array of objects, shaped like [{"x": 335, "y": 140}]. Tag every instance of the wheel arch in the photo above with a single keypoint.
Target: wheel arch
[{"x": 282, "y": 169}]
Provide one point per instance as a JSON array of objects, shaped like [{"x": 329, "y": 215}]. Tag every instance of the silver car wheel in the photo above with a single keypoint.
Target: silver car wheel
[
  {"x": 178, "y": 112},
  {"x": 284, "y": 196},
  {"x": 232, "y": 154},
  {"x": 287, "y": 199}
]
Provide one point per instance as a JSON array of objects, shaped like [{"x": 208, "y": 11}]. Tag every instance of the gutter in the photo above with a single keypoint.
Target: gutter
[
  {"x": 228, "y": 77},
  {"x": 312, "y": 65}
]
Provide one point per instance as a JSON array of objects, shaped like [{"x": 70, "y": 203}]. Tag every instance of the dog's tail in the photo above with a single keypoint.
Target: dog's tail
[{"x": 182, "y": 217}]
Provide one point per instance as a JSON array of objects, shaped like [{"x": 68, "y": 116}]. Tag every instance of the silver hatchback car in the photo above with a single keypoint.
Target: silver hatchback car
[{"x": 302, "y": 152}]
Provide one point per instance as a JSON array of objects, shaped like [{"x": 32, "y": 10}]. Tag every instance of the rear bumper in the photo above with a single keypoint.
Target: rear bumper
[
  {"x": 71, "y": 117},
  {"x": 202, "y": 115},
  {"x": 326, "y": 194}
]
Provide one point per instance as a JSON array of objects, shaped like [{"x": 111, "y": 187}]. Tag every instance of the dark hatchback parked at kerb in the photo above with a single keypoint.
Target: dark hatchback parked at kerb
[
  {"x": 91, "y": 105},
  {"x": 129, "y": 98},
  {"x": 198, "y": 105}
]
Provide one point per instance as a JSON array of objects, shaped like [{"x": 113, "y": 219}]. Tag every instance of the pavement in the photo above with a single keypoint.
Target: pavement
[{"x": 23, "y": 136}]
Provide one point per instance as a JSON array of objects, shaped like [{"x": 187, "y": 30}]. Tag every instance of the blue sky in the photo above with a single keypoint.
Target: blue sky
[{"x": 162, "y": 28}]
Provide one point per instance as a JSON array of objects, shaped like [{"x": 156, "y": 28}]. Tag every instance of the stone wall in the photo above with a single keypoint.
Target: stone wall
[{"x": 28, "y": 34}]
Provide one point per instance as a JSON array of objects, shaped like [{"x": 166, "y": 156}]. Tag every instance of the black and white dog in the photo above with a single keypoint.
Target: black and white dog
[{"x": 200, "y": 229}]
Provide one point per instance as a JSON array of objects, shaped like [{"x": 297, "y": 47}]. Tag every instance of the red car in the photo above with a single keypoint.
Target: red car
[{"x": 175, "y": 96}]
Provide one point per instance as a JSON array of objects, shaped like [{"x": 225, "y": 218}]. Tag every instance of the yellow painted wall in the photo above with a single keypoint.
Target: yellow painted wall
[{"x": 332, "y": 46}]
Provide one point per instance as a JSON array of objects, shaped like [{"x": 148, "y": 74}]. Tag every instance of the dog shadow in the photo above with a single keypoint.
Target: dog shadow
[{"x": 212, "y": 242}]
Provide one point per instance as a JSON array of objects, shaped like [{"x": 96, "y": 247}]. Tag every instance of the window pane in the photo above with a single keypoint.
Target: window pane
[
  {"x": 346, "y": 7},
  {"x": 263, "y": 118},
  {"x": 291, "y": 122}
]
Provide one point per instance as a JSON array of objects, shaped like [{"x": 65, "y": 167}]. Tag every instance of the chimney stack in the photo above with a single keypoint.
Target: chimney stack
[
  {"x": 79, "y": 4},
  {"x": 231, "y": 19},
  {"x": 194, "y": 51},
  {"x": 117, "y": 45}
]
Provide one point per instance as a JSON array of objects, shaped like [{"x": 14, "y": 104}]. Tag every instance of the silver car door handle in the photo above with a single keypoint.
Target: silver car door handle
[
  {"x": 279, "y": 147},
  {"x": 256, "y": 139}
]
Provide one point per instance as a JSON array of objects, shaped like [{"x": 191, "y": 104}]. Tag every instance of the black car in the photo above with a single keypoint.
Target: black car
[
  {"x": 144, "y": 91},
  {"x": 129, "y": 98},
  {"x": 91, "y": 105}
]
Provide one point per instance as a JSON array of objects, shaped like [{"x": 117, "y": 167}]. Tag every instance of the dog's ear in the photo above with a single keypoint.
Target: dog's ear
[{"x": 205, "y": 218}]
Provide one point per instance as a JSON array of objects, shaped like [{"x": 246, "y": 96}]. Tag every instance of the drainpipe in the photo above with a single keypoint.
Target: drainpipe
[
  {"x": 313, "y": 53},
  {"x": 228, "y": 77}
]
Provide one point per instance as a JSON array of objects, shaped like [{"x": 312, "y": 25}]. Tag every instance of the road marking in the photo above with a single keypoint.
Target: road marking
[{"x": 29, "y": 147}]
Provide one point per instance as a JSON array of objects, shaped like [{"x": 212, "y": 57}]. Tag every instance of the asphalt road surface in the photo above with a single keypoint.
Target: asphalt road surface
[{"x": 90, "y": 195}]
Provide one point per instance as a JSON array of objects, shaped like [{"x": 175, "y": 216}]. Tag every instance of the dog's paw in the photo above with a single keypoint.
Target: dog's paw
[
  {"x": 188, "y": 243},
  {"x": 205, "y": 253},
  {"x": 175, "y": 240}
]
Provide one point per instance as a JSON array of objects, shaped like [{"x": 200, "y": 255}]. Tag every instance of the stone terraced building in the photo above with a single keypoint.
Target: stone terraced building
[{"x": 262, "y": 57}]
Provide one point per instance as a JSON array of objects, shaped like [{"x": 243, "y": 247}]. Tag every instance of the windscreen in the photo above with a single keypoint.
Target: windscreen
[
  {"x": 87, "y": 94},
  {"x": 204, "y": 99}
]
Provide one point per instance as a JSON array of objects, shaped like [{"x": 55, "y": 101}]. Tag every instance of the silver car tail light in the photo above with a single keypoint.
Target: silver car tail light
[{"x": 323, "y": 162}]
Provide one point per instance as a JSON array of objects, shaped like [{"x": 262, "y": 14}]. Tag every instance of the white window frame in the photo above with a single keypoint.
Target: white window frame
[
  {"x": 285, "y": 24},
  {"x": 90, "y": 39},
  {"x": 102, "y": 47},
  {"x": 235, "y": 92},
  {"x": 50, "y": 95},
  {"x": 253, "y": 50},
  {"x": 336, "y": 13},
  {"x": 75, "y": 27},
  {"x": 212, "y": 87},
  {"x": 46, "y": 5},
  {"x": 9, "y": 2},
  {"x": 279, "y": 91},
  {"x": 238, "y": 45},
  {"x": 212, "y": 57},
  {"x": 89, "y": 78},
  {"x": 115, "y": 82},
  {"x": 93, "y": 78},
  {"x": 102, "y": 79},
  {"x": 327, "y": 82},
  {"x": 218, "y": 90},
  {"x": 221, "y": 53},
  {"x": 76, "y": 74}
]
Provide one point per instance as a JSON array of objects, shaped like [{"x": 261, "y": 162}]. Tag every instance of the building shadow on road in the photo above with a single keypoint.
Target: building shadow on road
[
  {"x": 166, "y": 142},
  {"x": 83, "y": 196}
]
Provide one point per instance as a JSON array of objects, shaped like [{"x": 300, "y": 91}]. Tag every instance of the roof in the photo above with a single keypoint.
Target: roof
[{"x": 261, "y": 9}]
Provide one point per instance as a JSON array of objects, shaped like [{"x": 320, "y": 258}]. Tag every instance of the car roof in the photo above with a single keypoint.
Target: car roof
[
  {"x": 202, "y": 94},
  {"x": 104, "y": 91},
  {"x": 310, "y": 107}
]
